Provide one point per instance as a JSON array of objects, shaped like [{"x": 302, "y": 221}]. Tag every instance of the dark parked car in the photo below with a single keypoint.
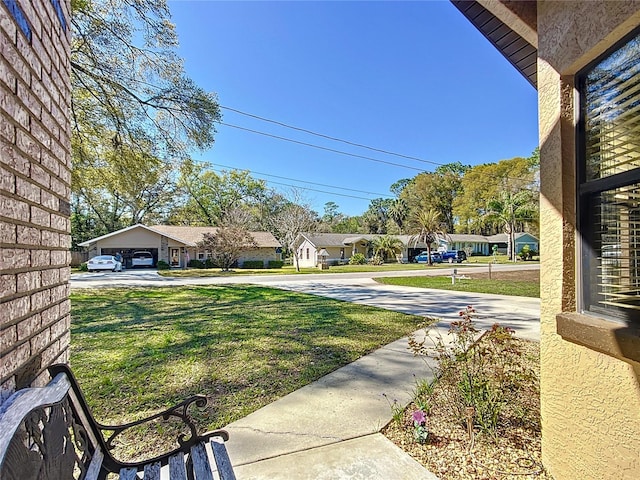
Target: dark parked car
[{"x": 454, "y": 257}]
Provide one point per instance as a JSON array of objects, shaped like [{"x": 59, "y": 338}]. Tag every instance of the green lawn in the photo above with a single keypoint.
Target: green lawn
[
  {"x": 141, "y": 350},
  {"x": 500, "y": 287}
]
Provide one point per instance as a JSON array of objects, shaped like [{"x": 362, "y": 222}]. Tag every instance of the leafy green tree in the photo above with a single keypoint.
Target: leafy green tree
[
  {"x": 508, "y": 210},
  {"x": 483, "y": 183},
  {"x": 398, "y": 212},
  {"x": 134, "y": 113},
  {"x": 428, "y": 228},
  {"x": 386, "y": 246},
  {"x": 376, "y": 218},
  {"x": 209, "y": 198},
  {"x": 227, "y": 245}
]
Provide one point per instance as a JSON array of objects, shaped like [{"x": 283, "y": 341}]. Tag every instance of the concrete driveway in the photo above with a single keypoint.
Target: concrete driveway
[{"x": 519, "y": 313}]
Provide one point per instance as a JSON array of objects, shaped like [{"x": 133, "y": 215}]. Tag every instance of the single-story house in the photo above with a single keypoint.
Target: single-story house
[
  {"x": 483, "y": 245},
  {"x": 174, "y": 244},
  {"x": 342, "y": 246}
]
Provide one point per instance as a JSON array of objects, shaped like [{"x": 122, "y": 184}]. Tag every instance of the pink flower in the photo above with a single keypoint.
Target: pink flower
[{"x": 419, "y": 417}]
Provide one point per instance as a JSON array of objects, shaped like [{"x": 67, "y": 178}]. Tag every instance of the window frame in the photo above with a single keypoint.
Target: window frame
[{"x": 588, "y": 190}]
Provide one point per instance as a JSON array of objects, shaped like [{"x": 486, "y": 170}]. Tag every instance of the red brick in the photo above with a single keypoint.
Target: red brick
[
  {"x": 14, "y": 159},
  {"x": 30, "y": 101},
  {"x": 65, "y": 308},
  {"x": 8, "y": 337},
  {"x": 40, "y": 258},
  {"x": 50, "y": 277},
  {"x": 29, "y": 281},
  {"x": 13, "y": 309},
  {"x": 65, "y": 274},
  {"x": 14, "y": 208},
  {"x": 43, "y": 55},
  {"x": 29, "y": 56},
  {"x": 14, "y": 359},
  {"x": 59, "y": 257},
  {"x": 8, "y": 285},
  {"x": 10, "y": 53},
  {"x": 65, "y": 239},
  {"x": 50, "y": 239},
  {"x": 40, "y": 341},
  {"x": 7, "y": 131},
  {"x": 27, "y": 144},
  {"x": 7, "y": 180},
  {"x": 7, "y": 232},
  {"x": 40, "y": 300},
  {"x": 49, "y": 162},
  {"x": 13, "y": 258},
  {"x": 42, "y": 93},
  {"x": 59, "y": 222},
  {"x": 58, "y": 328},
  {"x": 28, "y": 327},
  {"x": 28, "y": 190},
  {"x": 51, "y": 315},
  {"x": 28, "y": 235},
  {"x": 40, "y": 216},
  {"x": 9, "y": 28},
  {"x": 7, "y": 77},
  {"x": 39, "y": 175},
  {"x": 40, "y": 134},
  {"x": 53, "y": 352},
  {"x": 51, "y": 126},
  {"x": 58, "y": 186},
  {"x": 49, "y": 201},
  {"x": 60, "y": 293}
]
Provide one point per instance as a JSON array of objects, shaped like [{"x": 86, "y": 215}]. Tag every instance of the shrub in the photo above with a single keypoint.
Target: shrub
[
  {"x": 477, "y": 378},
  {"x": 162, "y": 265},
  {"x": 276, "y": 263},
  {"x": 83, "y": 267},
  {"x": 375, "y": 260},
  {"x": 357, "y": 259},
  {"x": 194, "y": 263},
  {"x": 256, "y": 264},
  {"x": 210, "y": 263}
]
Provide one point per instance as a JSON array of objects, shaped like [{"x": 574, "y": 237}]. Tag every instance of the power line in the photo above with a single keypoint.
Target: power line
[
  {"x": 335, "y": 139},
  {"x": 300, "y": 181},
  {"x": 319, "y": 147},
  {"x": 311, "y": 189}
]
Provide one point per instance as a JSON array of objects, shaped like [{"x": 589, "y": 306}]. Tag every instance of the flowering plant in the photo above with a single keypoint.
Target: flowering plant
[{"x": 420, "y": 430}]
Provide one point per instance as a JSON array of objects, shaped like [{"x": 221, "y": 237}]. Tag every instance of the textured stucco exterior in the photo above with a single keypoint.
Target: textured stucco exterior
[{"x": 590, "y": 399}]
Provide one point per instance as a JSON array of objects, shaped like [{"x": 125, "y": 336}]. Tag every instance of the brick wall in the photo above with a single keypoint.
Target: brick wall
[{"x": 35, "y": 162}]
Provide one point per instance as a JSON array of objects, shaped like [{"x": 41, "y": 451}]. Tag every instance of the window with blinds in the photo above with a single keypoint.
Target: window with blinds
[{"x": 609, "y": 182}]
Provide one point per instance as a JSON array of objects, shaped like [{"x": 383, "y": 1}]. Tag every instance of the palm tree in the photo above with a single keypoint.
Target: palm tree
[
  {"x": 429, "y": 228},
  {"x": 386, "y": 246},
  {"x": 398, "y": 212},
  {"x": 510, "y": 209}
]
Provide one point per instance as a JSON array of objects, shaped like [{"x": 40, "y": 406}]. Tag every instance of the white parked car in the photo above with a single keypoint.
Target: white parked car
[
  {"x": 104, "y": 262},
  {"x": 142, "y": 259}
]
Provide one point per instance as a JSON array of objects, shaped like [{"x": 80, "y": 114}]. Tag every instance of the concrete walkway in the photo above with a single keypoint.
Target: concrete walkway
[{"x": 329, "y": 429}]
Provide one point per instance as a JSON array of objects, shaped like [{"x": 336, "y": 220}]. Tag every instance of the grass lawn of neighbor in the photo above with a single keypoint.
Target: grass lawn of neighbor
[
  {"x": 524, "y": 283},
  {"x": 136, "y": 351}
]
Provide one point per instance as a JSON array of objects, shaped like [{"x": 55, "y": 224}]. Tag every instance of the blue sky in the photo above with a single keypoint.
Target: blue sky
[{"x": 413, "y": 78}]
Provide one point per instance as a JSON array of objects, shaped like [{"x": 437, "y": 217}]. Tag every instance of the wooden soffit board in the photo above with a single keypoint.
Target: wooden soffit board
[{"x": 521, "y": 53}]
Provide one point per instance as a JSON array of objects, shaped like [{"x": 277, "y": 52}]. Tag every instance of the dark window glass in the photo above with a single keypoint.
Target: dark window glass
[{"x": 609, "y": 182}]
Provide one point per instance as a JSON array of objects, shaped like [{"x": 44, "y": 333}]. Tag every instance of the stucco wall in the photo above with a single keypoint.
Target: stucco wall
[{"x": 590, "y": 400}]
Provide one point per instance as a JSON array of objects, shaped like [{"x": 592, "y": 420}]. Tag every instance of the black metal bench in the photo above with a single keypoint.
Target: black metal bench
[{"x": 49, "y": 433}]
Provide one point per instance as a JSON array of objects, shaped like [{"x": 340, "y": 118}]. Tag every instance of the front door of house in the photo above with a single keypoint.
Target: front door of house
[{"x": 174, "y": 255}]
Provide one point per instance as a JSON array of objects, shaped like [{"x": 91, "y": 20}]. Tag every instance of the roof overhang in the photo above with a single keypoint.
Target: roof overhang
[
  {"x": 133, "y": 227},
  {"x": 511, "y": 26}
]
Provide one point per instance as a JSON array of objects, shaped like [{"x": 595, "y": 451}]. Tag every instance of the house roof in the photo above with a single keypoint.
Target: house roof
[
  {"x": 187, "y": 235},
  {"x": 123, "y": 230},
  {"x": 517, "y": 40},
  {"x": 193, "y": 235},
  {"x": 336, "y": 239}
]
